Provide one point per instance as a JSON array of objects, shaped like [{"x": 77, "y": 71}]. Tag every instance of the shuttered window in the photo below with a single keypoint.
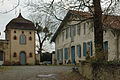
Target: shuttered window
[
  {"x": 91, "y": 52},
  {"x": 66, "y": 53},
  {"x": 84, "y": 49},
  {"x": 62, "y": 54},
  {"x": 79, "y": 50},
  {"x": 57, "y": 54}
]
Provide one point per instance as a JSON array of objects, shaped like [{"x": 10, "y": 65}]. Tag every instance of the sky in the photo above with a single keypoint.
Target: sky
[{"x": 7, "y": 17}]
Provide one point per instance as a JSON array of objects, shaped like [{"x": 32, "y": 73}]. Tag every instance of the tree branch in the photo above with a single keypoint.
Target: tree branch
[{"x": 12, "y": 8}]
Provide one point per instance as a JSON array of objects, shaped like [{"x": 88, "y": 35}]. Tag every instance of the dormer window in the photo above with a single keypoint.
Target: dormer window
[{"x": 22, "y": 39}]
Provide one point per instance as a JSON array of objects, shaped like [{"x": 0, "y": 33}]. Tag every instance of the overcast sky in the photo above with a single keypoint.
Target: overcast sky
[{"x": 7, "y": 17}]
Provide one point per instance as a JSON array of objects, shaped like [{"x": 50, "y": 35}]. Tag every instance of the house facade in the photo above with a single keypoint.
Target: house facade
[
  {"x": 19, "y": 44},
  {"x": 74, "y": 39}
]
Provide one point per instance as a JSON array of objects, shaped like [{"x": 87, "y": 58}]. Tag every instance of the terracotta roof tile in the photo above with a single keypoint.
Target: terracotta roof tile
[{"x": 108, "y": 20}]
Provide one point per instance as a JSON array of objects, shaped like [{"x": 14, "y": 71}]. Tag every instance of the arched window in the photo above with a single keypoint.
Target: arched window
[
  {"x": 22, "y": 39},
  {"x": 30, "y": 32},
  {"x": 14, "y": 31},
  {"x": 15, "y": 38},
  {"x": 30, "y": 54},
  {"x": 30, "y": 38},
  {"x": 15, "y": 54}
]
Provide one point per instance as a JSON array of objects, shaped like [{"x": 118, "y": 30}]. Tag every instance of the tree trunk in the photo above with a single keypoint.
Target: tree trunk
[{"x": 98, "y": 29}]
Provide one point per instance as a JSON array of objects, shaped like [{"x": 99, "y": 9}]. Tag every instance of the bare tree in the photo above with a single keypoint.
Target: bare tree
[
  {"x": 100, "y": 7},
  {"x": 43, "y": 25},
  {"x": 9, "y": 10}
]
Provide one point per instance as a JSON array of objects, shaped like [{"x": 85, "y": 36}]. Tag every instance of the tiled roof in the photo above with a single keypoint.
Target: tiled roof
[
  {"x": 110, "y": 21},
  {"x": 20, "y": 23}
]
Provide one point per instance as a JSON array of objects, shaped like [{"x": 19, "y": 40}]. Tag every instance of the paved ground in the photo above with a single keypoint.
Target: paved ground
[{"x": 34, "y": 72}]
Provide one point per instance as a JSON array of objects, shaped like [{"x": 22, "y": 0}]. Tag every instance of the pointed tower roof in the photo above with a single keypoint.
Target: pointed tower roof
[{"x": 20, "y": 23}]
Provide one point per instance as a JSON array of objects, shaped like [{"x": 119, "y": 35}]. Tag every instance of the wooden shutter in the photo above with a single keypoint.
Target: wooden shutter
[
  {"x": 57, "y": 54},
  {"x": 84, "y": 49},
  {"x": 91, "y": 52}
]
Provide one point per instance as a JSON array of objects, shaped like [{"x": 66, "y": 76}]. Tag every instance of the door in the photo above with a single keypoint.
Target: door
[
  {"x": 73, "y": 54},
  {"x": 1, "y": 58},
  {"x": 22, "y": 58}
]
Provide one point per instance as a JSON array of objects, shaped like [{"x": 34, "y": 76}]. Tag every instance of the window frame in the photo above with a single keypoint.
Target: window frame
[
  {"x": 24, "y": 39},
  {"x": 14, "y": 54},
  {"x": 30, "y": 55},
  {"x": 15, "y": 37}
]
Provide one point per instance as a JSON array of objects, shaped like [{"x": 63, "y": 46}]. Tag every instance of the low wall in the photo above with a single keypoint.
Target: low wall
[{"x": 99, "y": 72}]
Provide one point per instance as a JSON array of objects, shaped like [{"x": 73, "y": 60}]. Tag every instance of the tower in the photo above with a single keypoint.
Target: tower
[{"x": 20, "y": 33}]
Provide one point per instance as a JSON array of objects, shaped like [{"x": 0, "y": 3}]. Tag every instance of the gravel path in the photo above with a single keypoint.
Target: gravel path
[{"x": 33, "y": 72}]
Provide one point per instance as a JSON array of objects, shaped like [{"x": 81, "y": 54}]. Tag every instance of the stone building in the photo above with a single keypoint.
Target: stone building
[
  {"x": 19, "y": 44},
  {"x": 75, "y": 37}
]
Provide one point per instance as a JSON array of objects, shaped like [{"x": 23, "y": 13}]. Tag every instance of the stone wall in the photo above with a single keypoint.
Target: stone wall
[{"x": 100, "y": 73}]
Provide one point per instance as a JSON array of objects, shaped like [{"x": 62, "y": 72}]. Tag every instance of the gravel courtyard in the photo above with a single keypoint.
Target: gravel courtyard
[{"x": 33, "y": 72}]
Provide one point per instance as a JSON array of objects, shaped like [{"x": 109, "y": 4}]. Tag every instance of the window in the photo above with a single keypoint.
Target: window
[
  {"x": 84, "y": 28},
  {"x": 30, "y": 32},
  {"x": 67, "y": 32},
  {"x": 91, "y": 52},
  {"x": 14, "y": 31},
  {"x": 30, "y": 54},
  {"x": 15, "y": 54},
  {"x": 74, "y": 30},
  {"x": 79, "y": 50},
  {"x": 66, "y": 53},
  {"x": 63, "y": 36},
  {"x": 22, "y": 39},
  {"x": 70, "y": 31},
  {"x": 30, "y": 38},
  {"x": 78, "y": 29},
  {"x": 84, "y": 49},
  {"x": 22, "y": 32},
  {"x": 15, "y": 38}
]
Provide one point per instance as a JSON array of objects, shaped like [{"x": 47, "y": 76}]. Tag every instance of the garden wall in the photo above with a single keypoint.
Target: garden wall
[{"x": 101, "y": 72}]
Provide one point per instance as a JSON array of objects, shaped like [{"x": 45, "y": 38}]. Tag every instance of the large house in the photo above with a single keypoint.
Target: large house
[
  {"x": 75, "y": 37},
  {"x": 19, "y": 44}
]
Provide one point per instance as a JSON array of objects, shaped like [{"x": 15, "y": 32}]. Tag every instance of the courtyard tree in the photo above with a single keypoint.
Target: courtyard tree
[
  {"x": 96, "y": 7},
  {"x": 43, "y": 26}
]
